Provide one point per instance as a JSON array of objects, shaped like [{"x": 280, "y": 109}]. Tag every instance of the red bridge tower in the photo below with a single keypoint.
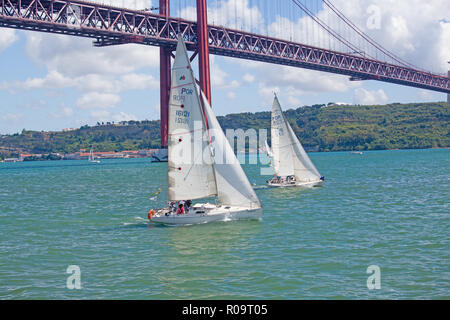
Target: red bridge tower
[{"x": 165, "y": 63}]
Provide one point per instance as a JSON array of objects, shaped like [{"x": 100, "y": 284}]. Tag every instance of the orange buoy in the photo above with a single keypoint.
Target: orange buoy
[{"x": 150, "y": 213}]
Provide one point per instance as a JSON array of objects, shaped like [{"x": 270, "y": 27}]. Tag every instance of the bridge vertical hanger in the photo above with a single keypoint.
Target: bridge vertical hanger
[
  {"x": 448, "y": 94},
  {"x": 203, "y": 48},
  {"x": 164, "y": 70}
]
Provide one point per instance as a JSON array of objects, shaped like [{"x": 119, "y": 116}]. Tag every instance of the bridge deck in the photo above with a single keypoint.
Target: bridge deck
[{"x": 110, "y": 25}]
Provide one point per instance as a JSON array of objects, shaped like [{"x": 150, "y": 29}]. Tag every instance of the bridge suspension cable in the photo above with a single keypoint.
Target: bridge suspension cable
[{"x": 368, "y": 38}]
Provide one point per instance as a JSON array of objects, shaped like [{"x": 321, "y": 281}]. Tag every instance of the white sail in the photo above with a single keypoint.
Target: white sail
[
  {"x": 268, "y": 150},
  {"x": 233, "y": 187},
  {"x": 304, "y": 169},
  {"x": 190, "y": 169},
  {"x": 283, "y": 162}
]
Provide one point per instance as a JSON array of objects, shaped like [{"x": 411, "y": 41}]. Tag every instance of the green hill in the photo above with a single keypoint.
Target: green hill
[{"x": 320, "y": 127}]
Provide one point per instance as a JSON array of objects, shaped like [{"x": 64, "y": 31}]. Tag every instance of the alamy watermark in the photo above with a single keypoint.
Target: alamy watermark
[
  {"x": 74, "y": 280},
  {"x": 374, "y": 20},
  {"x": 374, "y": 280},
  {"x": 201, "y": 147}
]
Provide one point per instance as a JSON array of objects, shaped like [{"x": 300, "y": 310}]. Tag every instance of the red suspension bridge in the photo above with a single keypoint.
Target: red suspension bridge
[{"x": 109, "y": 25}]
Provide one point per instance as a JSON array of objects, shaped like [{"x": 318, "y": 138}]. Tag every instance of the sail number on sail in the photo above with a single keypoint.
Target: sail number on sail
[{"x": 182, "y": 116}]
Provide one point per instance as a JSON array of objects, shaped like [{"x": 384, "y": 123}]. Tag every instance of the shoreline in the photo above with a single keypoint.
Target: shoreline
[{"x": 239, "y": 154}]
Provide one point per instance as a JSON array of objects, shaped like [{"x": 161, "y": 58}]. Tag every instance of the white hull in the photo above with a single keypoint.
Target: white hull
[
  {"x": 206, "y": 213},
  {"x": 308, "y": 184}
]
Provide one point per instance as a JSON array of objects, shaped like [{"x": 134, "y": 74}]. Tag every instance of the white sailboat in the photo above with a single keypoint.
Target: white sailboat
[
  {"x": 201, "y": 163},
  {"x": 91, "y": 157},
  {"x": 291, "y": 164}
]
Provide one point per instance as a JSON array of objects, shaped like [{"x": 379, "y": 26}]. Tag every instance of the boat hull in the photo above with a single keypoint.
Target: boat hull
[
  {"x": 309, "y": 184},
  {"x": 206, "y": 215}
]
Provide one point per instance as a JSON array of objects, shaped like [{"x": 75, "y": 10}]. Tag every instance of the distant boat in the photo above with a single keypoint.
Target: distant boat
[
  {"x": 92, "y": 158},
  {"x": 291, "y": 164},
  {"x": 161, "y": 155},
  {"x": 210, "y": 167},
  {"x": 356, "y": 152}
]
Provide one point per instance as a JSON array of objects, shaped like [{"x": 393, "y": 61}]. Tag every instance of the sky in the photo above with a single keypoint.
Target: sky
[{"x": 51, "y": 82}]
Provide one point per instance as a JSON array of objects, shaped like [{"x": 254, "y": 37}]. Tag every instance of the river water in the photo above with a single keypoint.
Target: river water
[{"x": 384, "y": 208}]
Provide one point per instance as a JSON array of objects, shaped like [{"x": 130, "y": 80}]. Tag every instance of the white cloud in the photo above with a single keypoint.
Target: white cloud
[
  {"x": 366, "y": 97},
  {"x": 105, "y": 115},
  {"x": 231, "y": 95},
  {"x": 101, "y": 115},
  {"x": 219, "y": 78},
  {"x": 53, "y": 80},
  {"x": 267, "y": 92},
  {"x": 134, "y": 81},
  {"x": 65, "y": 112},
  {"x": 122, "y": 116},
  {"x": 12, "y": 117},
  {"x": 7, "y": 38},
  {"x": 236, "y": 14},
  {"x": 292, "y": 83},
  {"x": 90, "y": 82},
  {"x": 248, "y": 78},
  {"x": 414, "y": 30},
  {"x": 289, "y": 96},
  {"x": 96, "y": 100},
  {"x": 444, "y": 45},
  {"x": 77, "y": 57},
  {"x": 129, "y": 4}
]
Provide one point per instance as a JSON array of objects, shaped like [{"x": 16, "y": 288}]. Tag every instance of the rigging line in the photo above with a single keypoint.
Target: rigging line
[
  {"x": 332, "y": 32},
  {"x": 328, "y": 29},
  {"x": 235, "y": 17},
  {"x": 359, "y": 31},
  {"x": 368, "y": 38},
  {"x": 251, "y": 16}
]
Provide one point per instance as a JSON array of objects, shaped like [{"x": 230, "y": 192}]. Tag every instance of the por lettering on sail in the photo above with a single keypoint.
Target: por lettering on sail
[
  {"x": 186, "y": 91},
  {"x": 182, "y": 96}
]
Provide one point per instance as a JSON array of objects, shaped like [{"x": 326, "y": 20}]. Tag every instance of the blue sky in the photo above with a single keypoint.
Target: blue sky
[{"x": 51, "y": 82}]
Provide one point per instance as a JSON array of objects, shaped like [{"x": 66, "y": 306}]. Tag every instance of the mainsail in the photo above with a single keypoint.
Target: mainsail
[
  {"x": 289, "y": 156},
  {"x": 201, "y": 162},
  {"x": 190, "y": 175},
  {"x": 283, "y": 163}
]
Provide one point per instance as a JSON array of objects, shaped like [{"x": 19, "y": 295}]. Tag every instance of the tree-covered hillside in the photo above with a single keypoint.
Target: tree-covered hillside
[{"x": 325, "y": 128}]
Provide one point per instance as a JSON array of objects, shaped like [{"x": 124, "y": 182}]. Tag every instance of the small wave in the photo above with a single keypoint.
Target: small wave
[
  {"x": 134, "y": 224},
  {"x": 260, "y": 187}
]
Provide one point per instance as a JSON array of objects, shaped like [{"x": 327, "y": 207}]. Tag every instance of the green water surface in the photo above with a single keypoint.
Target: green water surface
[{"x": 384, "y": 208}]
